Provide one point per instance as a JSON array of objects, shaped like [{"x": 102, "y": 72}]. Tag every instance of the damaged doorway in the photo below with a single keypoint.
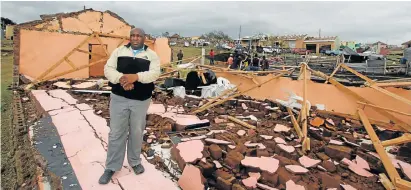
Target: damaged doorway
[
  {"x": 311, "y": 47},
  {"x": 97, "y": 69}
]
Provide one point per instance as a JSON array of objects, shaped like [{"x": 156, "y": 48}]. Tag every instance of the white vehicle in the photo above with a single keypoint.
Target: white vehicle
[
  {"x": 186, "y": 44},
  {"x": 267, "y": 50},
  {"x": 173, "y": 43}
]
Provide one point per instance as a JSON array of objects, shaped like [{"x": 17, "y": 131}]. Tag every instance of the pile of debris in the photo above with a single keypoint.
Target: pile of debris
[{"x": 245, "y": 144}]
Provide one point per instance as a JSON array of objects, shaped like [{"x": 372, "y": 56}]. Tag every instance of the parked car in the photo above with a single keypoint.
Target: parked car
[
  {"x": 173, "y": 43},
  {"x": 186, "y": 44},
  {"x": 372, "y": 55},
  {"x": 333, "y": 52},
  {"x": 267, "y": 49}
]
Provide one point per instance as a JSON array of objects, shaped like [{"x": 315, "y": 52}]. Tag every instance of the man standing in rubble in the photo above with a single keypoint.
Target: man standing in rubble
[{"x": 131, "y": 71}]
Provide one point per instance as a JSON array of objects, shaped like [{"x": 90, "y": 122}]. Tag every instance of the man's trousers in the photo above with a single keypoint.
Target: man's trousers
[{"x": 127, "y": 123}]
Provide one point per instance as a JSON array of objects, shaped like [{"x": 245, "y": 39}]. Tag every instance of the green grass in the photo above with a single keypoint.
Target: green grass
[
  {"x": 8, "y": 175},
  {"x": 189, "y": 52}
]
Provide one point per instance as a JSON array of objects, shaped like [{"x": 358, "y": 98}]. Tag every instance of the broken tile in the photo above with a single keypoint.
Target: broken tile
[
  {"x": 252, "y": 117},
  {"x": 266, "y": 137},
  {"x": 251, "y": 145},
  {"x": 191, "y": 178},
  {"x": 256, "y": 175},
  {"x": 348, "y": 187},
  {"x": 61, "y": 84},
  {"x": 191, "y": 151},
  {"x": 265, "y": 187},
  {"x": 216, "y": 141},
  {"x": 289, "y": 149},
  {"x": 83, "y": 107},
  {"x": 84, "y": 85},
  {"x": 336, "y": 142},
  {"x": 217, "y": 164},
  {"x": 362, "y": 163},
  {"x": 279, "y": 140},
  {"x": 244, "y": 106},
  {"x": 290, "y": 185},
  {"x": 218, "y": 120},
  {"x": 231, "y": 146},
  {"x": 354, "y": 167},
  {"x": 317, "y": 121},
  {"x": 267, "y": 164},
  {"x": 296, "y": 169},
  {"x": 321, "y": 168},
  {"x": 215, "y": 151},
  {"x": 62, "y": 94},
  {"x": 281, "y": 128},
  {"x": 330, "y": 121},
  {"x": 250, "y": 182},
  {"x": 241, "y": 133},
  {"x": 338, "y": 152},
  {"x": 215, "y": 132},
  {"x": 405, "y": 168},
  {"x": 308, "y": 162}
]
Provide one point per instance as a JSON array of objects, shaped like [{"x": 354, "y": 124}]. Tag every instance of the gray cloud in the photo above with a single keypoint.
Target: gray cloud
[{"x": 360, "y": 21}]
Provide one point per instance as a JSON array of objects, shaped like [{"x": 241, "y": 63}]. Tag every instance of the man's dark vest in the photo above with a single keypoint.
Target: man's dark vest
[{"x": 131, "y": 65}]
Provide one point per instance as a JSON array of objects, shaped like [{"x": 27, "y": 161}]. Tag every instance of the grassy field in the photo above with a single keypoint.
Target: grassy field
[
  {"x": 189, "y": 52},
  {"x": 8, "y": 174}
]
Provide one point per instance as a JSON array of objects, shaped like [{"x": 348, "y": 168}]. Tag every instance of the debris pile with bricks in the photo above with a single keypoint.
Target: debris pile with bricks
[{"x": 249, "y": 144}]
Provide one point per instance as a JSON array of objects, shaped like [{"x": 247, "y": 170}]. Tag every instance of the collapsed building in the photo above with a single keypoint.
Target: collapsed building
[
  {"x": 73, "y": 45},
  {"x": 262, "y": 130}
]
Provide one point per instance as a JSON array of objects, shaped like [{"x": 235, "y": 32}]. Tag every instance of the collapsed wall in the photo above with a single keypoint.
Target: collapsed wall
[
  {"x": 334, "y": 99},
  {"x": 41, "y": 44}
]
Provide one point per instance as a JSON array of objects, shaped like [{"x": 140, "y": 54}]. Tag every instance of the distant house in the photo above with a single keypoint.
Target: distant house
[
  {"x": 174, "y": 38},
  {"x": 9, "y": 32},
  {"x": 316, "y": 44},
  {"x": 349, "y": 44},
  {"x": 377, "y": 46},
  {"x": 289, "y": 41},
  {"x": 406, "y": 44}
]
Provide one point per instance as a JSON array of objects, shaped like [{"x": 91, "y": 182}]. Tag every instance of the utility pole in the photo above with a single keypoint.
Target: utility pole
[
  {"x": 319, "y": 33},
  {"x": 239, "y": 36}
]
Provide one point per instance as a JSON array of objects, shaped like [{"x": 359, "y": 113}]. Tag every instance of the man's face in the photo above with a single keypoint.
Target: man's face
[{"x": 137, "y": 38}]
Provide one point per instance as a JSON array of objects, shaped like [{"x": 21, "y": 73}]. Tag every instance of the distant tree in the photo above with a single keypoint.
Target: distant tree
[
  {"x": 5, "y": 22},
  {"x": 216, "y": 37},
  {"x": 166, "y": 34}
]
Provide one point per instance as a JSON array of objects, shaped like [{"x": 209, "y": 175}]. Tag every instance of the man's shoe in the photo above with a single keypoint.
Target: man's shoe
[
  {"x": 138, "y": 169},
  {"x": 106, "y": 177}
]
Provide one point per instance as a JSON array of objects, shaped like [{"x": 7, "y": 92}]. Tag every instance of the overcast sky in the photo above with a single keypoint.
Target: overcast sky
[{"x": 365, "y": 22}]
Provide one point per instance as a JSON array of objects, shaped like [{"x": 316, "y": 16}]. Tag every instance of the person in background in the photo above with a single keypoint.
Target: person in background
[
  {"x": 211, "y": 57},
  {"x": 230, "y": 60},
  {"x": 255, "y": 66},
  {"x": 180, "y": 57},
  {"x": 172, "y": 55},
  {"x": 237, "y": 62},
  {"x": 264, "y": 63}
]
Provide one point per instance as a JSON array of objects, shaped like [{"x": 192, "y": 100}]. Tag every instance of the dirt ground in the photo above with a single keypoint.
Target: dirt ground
[{"x": 18, "y": 169}]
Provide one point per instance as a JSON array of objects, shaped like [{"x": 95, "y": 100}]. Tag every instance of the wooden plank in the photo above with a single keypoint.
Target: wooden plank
[
  {"x": 357, "y": 73},
  {"x": 405, "y": 138},
  {"x": 401, "y": 184},
  {"x": 390, "y": 110},
  {"x": 400, "y": 98},
  {"x": 392, "y": 84},
  {"x": 296, "y": 126},
  {"x": 389, "y": 167},
  {"x": 241, "y": 122},
  {"x": 304, "y": 111},
  {"x": 346, "y": 90},
  {"x": 245, "y": 91},
  {"x": 70, "y": 63},
  {"x": 90, "y": 53},
  {"x": 333, "y": 73},
  {"x": 386, "y": 182},
  {"x": 73, "y": 70}
]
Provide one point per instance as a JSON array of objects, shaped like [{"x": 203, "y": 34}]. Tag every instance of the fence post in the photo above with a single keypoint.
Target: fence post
[{"x": 202, "y": 56}]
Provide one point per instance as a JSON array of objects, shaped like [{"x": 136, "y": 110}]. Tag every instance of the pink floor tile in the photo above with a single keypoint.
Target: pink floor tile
[
  {"x": 58, "y": 93},
  {"x": 47, "y": 102}
]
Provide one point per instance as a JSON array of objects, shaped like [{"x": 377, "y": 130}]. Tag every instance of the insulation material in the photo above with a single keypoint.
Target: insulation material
[{"x": 327, "y": 94}]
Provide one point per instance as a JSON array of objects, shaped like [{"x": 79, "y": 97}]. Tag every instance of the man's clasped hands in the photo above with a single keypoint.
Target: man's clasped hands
[{"x": 127, "y": 80}]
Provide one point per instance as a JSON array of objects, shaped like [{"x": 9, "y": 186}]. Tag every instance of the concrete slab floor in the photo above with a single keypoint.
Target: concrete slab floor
[{"x": 83, "y": 137}]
